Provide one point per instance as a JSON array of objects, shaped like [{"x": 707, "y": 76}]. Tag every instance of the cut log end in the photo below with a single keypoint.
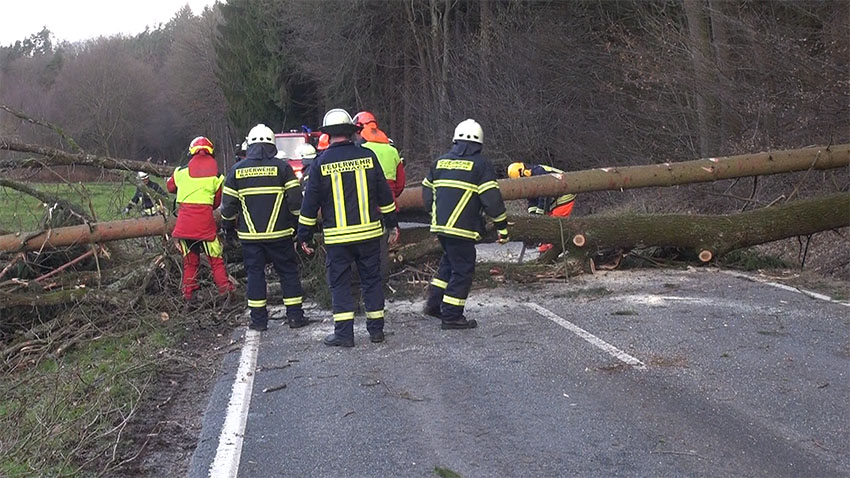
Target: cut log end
[
  {"x": 579, "y": 240},
  {"x": 705, "y": 255}
]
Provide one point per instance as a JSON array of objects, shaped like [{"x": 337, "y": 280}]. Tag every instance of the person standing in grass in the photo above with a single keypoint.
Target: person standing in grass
[{"x": 198, "y": 189}]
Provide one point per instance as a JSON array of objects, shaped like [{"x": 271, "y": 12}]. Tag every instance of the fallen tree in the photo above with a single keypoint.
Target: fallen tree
[
  {"x": 708, "y": 236},
  {"x": 665, "y": 174},
  {"x": 87, "y": 233},
  {"x": 57, "y": 157}
]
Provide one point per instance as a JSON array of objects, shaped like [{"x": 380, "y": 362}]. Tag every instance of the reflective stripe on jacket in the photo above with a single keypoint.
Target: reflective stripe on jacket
[
  {"x": 459, "y": 186},
  {"x": 543, "y": 205},
  {"x": 348, "y": 185},
  {"x": 266, "y": 195}
]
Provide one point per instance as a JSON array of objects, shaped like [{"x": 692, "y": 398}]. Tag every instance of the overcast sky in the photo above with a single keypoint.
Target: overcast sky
[{"x": 76, "y": 20}]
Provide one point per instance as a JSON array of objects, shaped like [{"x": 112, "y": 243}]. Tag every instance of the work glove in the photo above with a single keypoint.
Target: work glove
[
  {"x": 503, "y": 236},
  {"x": 395, "y": 236},
  {"x": 125, "y": 211},
  {"x": 307, "y": 248}
]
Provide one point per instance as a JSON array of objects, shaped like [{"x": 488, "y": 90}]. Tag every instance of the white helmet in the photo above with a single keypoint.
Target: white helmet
[
  {"x": 306, "y": 151},
  {"x": 260, "y": 134},
  {"x": 338, "y": 122},
  {"x": 143, "y": 175},
  {"x": 469, "y": 130}
]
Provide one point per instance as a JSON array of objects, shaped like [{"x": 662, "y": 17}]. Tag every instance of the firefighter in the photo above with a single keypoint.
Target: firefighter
[
  {"x": 322, "y": 144},
  {"x": 198, "y": 188},
  {"x": 459, "y": 185},
  {"x": 373, "y": 138},
  {"x": 148, "y": 207},
  {"x": 370, "y": 136},
  {"x": 348, "y": 186},
  {"x": 263, "y": 192},
  {"x": 560, "y": 206},
  {"x": 241, "y": 150},
  {"x": 307, "y": 153}
]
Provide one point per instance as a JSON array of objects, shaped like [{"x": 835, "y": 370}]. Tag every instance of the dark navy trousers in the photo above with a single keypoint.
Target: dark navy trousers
[
  {"x": 281, "y": 253},
  {"x": 367, "y": 257},
  {"x": 450, "y": 286}
]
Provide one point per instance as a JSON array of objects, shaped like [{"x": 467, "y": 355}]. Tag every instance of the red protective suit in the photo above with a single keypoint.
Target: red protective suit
[{"x": 198, "y": 189}]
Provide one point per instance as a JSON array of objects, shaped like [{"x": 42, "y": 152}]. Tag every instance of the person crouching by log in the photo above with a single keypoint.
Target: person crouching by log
[
  {"x": 458, "y": 187},
  {"x": 560, "y": 206},
  {"x": 198, "y": 188},
  {"x": 263, "y": 192}
]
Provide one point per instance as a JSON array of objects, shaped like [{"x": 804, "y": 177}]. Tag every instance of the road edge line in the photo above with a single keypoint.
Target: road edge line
[
  {"x": 229, "y": 450},
  {"x": 588, "y": 337},
  {"x": 789, "y": 288}
]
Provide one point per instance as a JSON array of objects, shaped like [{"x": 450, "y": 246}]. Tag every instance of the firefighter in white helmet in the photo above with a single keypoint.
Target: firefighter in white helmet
[
  {"x": 347, "y": 184},
  {"x": 148, "y": 207},
  {"x": 262, "y": 192},
  {"x": 459, "y": 186}
]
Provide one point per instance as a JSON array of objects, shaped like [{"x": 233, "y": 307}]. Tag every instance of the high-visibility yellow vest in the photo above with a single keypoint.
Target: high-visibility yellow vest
[
  {"x": 196, "y": 190},
  {"x": 387, "y": 156}
]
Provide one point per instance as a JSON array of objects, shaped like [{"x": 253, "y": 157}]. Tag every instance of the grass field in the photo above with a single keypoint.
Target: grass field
[{"x": 21, "y": 212}]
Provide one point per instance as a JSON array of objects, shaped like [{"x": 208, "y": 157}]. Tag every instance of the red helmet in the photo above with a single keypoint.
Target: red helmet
[
  {"x": 363, "y": 118},
  {"x": 324, "y": 142},
  {"x": 199, "y": 143}
]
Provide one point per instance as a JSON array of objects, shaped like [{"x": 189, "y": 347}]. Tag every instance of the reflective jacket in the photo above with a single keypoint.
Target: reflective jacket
[
  {"x": 459, "y": 187},
  {"x": 198, "y": 188},
  {"x": 543, "y": 205},
  {"x": 147, "y": 201},
  {"x": 264, "y": 193},
  {"x": 391, "y": 164},
  {"x": 347, "y": 184}
]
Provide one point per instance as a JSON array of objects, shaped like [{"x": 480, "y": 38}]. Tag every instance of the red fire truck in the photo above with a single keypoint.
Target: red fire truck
[{"x": 287, "y": 147}]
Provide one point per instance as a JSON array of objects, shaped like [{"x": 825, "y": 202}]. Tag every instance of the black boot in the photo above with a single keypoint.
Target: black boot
[
  {"x": 334, "y": 340},
  {"x": 459, "y": 323},
  {"x": 258, "y": 327},
  {"x": 298, "y": 322},
  {"x": 432, "y": 310},
  {"x": 376, "y": 337}
]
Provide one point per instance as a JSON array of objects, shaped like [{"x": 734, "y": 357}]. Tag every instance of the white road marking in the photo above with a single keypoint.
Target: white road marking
[
  {"x": 592, "y": 339},
  {"x": 789, "y": 288},
  {"x": 229, "y": 451}
]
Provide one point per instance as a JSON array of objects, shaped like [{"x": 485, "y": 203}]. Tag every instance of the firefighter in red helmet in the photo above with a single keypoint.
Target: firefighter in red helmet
[{"x": 198, "y": 188}]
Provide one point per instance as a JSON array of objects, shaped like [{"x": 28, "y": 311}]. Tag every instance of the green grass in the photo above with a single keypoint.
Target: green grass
[
  {"x": 21, "y": 212},
  {"x": 56, "y": 414},
  {"x": 752, "y": 260}
]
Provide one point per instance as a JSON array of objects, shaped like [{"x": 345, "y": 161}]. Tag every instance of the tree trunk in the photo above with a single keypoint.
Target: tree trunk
[
  {"x": 699, "y": 36},
  {"x": 667, "y": 174},
  {"x": 717, "y": 234},
  {"x": 86, "y": 233}
]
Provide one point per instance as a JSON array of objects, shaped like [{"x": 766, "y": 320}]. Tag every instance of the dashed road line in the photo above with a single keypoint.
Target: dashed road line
[
  {"x": 789, "y": 288},
  {"x": 229, "y": 451},
  {"x": 587, "y": 336}
]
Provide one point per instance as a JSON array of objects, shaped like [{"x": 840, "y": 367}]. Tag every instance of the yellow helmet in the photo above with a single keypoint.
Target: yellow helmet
[{"x": 516, "y": 170}]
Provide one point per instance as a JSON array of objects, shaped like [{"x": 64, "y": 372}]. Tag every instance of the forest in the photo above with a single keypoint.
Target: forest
[
  {"x": 619, "y": 94},
  {"x": 576, "y": 84}
]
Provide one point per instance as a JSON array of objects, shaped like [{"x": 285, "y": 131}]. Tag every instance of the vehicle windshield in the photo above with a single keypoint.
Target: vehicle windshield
[{"x": 287, "y": 146}]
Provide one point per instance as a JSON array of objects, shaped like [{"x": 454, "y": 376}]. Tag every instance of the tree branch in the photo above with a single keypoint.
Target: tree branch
[{"x": 58, "y": 130}]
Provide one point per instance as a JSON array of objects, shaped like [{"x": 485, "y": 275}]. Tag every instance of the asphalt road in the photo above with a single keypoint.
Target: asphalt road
[{"x": 642, "y": 373}]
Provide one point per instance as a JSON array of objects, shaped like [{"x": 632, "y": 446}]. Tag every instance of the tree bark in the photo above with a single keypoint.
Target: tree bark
[
  {"x": 717, "y": 234},
  {"x": 701, "y": 54},
  {"x": 86, "y": 233},
  {"x": 58, "y": 157},
  {"x": 666, "y": 174}
]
